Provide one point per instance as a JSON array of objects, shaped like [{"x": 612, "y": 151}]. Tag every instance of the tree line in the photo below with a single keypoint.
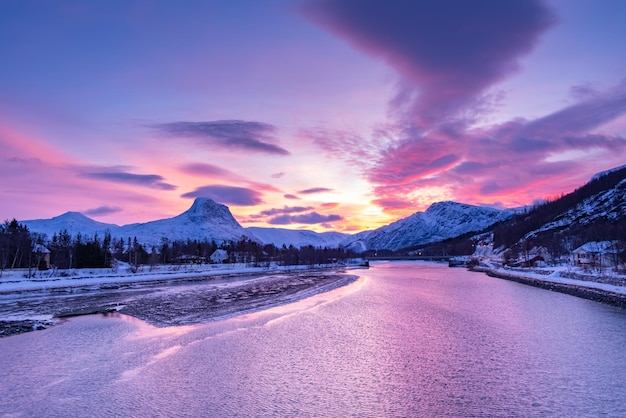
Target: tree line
[{"x": 20, "y": 248}]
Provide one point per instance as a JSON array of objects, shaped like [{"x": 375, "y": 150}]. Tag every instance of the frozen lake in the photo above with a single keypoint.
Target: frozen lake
[{"x": 406, "y": 339}]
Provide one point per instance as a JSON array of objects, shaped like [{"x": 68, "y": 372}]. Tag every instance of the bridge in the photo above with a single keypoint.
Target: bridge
[{"x": 411, "y": 257}]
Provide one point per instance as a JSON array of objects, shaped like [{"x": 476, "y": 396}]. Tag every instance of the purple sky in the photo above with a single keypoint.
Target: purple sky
[{"x": 317, "y": 114}]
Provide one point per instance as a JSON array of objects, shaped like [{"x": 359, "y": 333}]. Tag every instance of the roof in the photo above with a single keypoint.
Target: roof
[
  {"x": 38, "y": 248},
  {"x": 598, "y": 247}
]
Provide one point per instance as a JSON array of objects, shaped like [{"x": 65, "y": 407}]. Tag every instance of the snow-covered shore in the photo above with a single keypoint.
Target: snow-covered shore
[
  {"x": 610, "y": 289},
  {"x": 163, "y": 297},
  {"x": 13, "y": 281}
]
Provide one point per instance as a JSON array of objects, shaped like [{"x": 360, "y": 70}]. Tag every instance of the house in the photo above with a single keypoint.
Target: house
[
  {"x": 535, "y": 257},
  {"x": 598, "y": 253},
  {"x": 539, "y": 256},
  {"x": 41, "y": 256},
  {"x": 219, "y": 256}
]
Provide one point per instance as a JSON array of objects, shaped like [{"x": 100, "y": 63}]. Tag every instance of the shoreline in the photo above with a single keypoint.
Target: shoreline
[
  {"x": 187, "y": 300},
  {"x": 579, "y": 289},
  {"x": 108, "y": 278}
]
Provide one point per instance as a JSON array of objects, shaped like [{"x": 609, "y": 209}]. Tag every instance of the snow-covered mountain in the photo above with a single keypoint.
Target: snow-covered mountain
[
  {"x": 441, "y": 221},
  {"x": 207, "y": 220},
  {"x": 297, "y": 238},
  {"x": 607, "y": 172},
  {"x": 595, "y": 211},
  {"x": 73, "y": 222},
  {"x": 204, "y": 220},
  {"x": 608, "y": 206}
]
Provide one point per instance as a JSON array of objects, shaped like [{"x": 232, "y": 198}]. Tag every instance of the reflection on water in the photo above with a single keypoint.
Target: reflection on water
[{"x": 407, "y": 339}]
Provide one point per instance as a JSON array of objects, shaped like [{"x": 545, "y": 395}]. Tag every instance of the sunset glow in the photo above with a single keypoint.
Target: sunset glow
[{"x": 317, "y": 114}]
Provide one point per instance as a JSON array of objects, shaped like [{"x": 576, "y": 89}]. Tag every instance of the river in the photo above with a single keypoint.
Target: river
[{"x": 407, "y": 339}]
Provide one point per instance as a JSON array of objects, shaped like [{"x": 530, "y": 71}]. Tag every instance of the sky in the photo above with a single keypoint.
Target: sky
[{"x": 325, "y": 115}]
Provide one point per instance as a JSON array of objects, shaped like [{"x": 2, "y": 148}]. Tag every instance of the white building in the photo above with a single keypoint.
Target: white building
[{"x": 219, "y": 256}]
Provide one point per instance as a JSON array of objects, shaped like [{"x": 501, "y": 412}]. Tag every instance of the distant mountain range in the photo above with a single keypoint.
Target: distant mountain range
[
  {"x": 602, "y": 202},
  {"x": 441, "y": 221},
  {"x": 207, "y": 220},
  {"x": 204, "y": 220},
  {"x": 297, "y": 238}
]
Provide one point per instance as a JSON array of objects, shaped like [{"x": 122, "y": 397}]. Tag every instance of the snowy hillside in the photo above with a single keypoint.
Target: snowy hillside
[
  {"x": 607, "y": 172},
  {"x": 440, "y": 221},
  {"x": 607, "y": 206},
  {"x": 204, "y": 220},
  {"x": 73, "y": 222},
  {"x": 595, "y": 211},
  {"x": 297, "y": 238}
]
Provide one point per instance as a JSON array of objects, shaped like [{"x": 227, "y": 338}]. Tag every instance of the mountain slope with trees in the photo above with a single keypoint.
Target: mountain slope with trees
[{"x": 593, "y": 212}]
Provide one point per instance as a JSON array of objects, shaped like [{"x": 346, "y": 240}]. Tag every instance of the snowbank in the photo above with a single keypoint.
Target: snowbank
[
  {"x": 554, "y": 279},
  {"x": 163, "y": 298},
  {"x": 17, "y": 280}
]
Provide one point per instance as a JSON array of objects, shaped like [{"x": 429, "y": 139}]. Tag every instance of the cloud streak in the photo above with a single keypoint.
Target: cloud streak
[
  {"x": 285, "y": 210},
  {"x": 308, "y": 218},
  {"x": 102, "y": 211},
  {"x": 153, "y": 181},
  {"x": 315, "y": 190},
  {"x": 228, "y": 195},
  {"x": 250, "y": 136}
]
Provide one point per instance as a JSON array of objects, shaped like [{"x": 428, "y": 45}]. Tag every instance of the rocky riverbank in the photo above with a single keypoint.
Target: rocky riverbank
[
  {"x": 581, "y": 290},
  {"x": 167, "y": 303}
]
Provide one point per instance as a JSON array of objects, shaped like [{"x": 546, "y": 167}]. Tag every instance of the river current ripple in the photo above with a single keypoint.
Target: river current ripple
[{"x": 406, "y": 339}]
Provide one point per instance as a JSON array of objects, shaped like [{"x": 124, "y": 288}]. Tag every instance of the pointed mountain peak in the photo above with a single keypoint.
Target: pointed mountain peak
[
  {"x": 204, "y": 206},
  {"x": 204, "y": 210},
  {"x": 72, "y": 215},
  {"x": 203, "y": 203}
]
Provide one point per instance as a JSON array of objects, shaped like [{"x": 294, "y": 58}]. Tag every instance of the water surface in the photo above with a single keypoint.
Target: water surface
[{"x": 407, "y": 339}]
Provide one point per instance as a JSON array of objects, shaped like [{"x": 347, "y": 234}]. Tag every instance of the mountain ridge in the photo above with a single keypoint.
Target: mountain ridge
[
  {"x": 211, "y": 221},
  {"x": 204, "y": 220},
  {"x": 601, "y": 201},
  {"x": 440, "y": 221}
]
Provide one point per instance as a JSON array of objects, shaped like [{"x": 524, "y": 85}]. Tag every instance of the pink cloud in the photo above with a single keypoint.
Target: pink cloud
[
  {"x": 508, "y": 160},
  {"x": 448, "y": 54}
]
